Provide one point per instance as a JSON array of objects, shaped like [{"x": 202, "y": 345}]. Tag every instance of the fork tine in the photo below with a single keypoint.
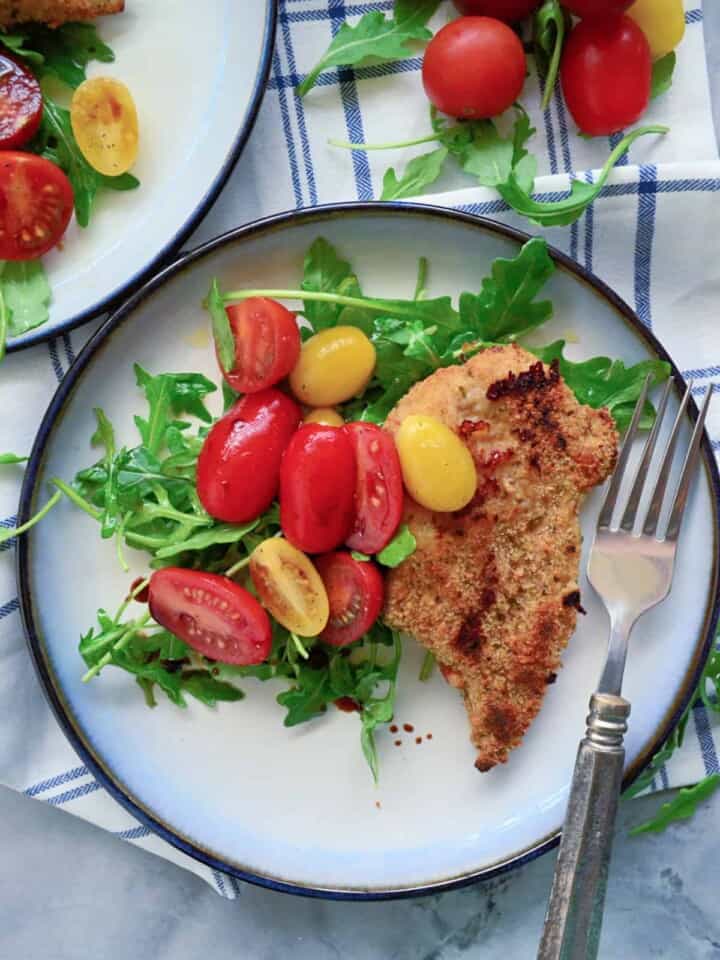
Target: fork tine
[
  {"x": 628, "y": 520},
  {"x": 653, "y": 514},
  {"x": 608, "y": 507},
  {"x": 688, "y": 470}
]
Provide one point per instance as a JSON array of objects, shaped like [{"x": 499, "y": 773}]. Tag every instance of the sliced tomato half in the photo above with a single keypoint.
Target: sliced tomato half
[{"x": 355, "y": 593}]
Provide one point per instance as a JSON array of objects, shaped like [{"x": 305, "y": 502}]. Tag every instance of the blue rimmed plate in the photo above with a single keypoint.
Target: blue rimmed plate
[
  {"x": 296, "y": 809},
  {"x": 197, "y": 75}
]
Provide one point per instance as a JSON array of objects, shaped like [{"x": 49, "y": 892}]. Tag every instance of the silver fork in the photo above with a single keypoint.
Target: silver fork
[{"x": 631, "y": 568}]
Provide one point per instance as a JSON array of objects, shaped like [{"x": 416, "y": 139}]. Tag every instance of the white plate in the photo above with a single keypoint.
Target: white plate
[
  {"x": 197, "y": 73},
  {"x": 297, "y": 809}
]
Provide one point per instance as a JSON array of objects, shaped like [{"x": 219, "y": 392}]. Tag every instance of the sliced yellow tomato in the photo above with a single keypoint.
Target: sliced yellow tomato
[
  {"x": 325, "y": 415},
  {"x": 289, "y": 586},
  {"x": 662, "y": 22},
  {"x": 437, "y": 468},
  {"x": 105, "y": 123},
  {"x": 334, "y": 365}
]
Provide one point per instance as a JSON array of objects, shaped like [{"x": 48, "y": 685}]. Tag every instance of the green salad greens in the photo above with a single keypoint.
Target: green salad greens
[
  {"x": 144, "y": 496},
  {"x": 58, "y": 57}
]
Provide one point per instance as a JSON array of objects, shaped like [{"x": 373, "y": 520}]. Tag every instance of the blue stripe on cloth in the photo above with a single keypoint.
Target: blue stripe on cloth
[
  {"x": 67, "y": 777},
  {"x": 715, "y": 444},
  {"x": 319, "y": 15},
  {"x": 60, "y": 798},
  {"x": 300, "y": 118},
  {"x": 701, "y": 389},
  {"x": 10, "y": 607},
  {"x": 69, "y": 352},
  {"x": 55, "y": 360},
  {"x": 700, "y": 372},
  {"x": 644, "y": 237},
  {"x": 331, "y": 76},
  {"x": 351, "y": 109},
  {"x": 289, "y": 140},
  {"x": 132, "y": 833},
  {"x": 589, "y": 226},
  {"x": 664, "y": 779},
  {"x": 220, "y": 881},
  {"x": 694, "y": 16},
  {"x": 615, "y": 139},
  {"x": 705, "y": 738},
  {"x": 7, "y": 523}
]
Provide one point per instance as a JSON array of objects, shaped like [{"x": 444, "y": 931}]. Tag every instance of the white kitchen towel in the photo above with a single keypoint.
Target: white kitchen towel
[{"x": 650, "y": 235}]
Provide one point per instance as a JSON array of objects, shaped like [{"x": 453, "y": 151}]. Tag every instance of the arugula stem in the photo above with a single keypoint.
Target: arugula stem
[
  {"x": 78, "y": 500},
  {"x": 4, "y": 322},
  {"x": 625, "y": 144},
  {"x": 551, "y": 78},
  {"x": 320, "y": 296},
  {"x": 427, "y": 668},
  {"x": 300, "y": 647},
  {"x": 236, "y": 567},
  {"x": 347, "y": 145},
  {"x": 16, "y": 531},
  {"x": 131, "y": 596},
  {"x": 421, "y": 279},
  {"x": 122, "y": 642}
]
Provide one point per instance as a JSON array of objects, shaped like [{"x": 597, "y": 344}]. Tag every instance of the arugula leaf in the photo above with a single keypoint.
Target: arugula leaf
[
  {"x": 219, "y": 533},
  {"x": 550, "y": 24},
  {"x": 26, "y": 295},
  {"x": 375, "y": 35},
  {"x": 7, "y": 458},
  {"x": 309, "y": 696},
  {"x": 681, "y": 807},
  {"x": 176, "y": 392},
  {"x": 16, "y": 43},
  {"x": 230, "y": 397},
  {"x": 505, "y": 308},
  {"x": 105, "y": 436},
  {"x": 418, "y": 174},
  {"x": 560, "y": 213},
  {"x": 325, "y": 271},
  {"x": 488, "y": 156},
  {"x": 222, "y": 331},
  {"x": 56, "y": 142},
  {"x": 402, "y": 546},
  {"x": 64, "y": 51},
  {"x": 208, "y": 689},
  {"x": 662, "y": 75},
  {"x": 602, "y": 382}
]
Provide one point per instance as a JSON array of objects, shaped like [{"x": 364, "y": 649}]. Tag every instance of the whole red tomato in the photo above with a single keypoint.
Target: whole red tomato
[
  {"x": 238, "y": 470},
  {"x": 510, "y": 11},
  {"x": 474, "y": 68},
  {"x": 317, "y": 488},
  {"x": 605, "y": 73},
  {"x": 596, "y": 8}
]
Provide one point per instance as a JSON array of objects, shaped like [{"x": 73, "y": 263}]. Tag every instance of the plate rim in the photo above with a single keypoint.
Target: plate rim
[
  {"x": 53, "y": 691},
  {"x": 169, "y": 250}
]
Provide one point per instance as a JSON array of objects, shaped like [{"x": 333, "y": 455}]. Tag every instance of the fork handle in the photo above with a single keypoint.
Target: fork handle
[{"x": 574, "y": 914}]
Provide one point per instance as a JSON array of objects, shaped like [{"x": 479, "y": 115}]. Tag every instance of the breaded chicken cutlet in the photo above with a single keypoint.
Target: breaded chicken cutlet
[
  {"x": 492, "y": 590},
  {"x": 55, "y": 12}
]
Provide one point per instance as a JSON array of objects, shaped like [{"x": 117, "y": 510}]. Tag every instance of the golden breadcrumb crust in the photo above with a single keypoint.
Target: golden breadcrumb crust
[
  {"x": 55, "y": 12},
  {"x": 492, "y": 590}
]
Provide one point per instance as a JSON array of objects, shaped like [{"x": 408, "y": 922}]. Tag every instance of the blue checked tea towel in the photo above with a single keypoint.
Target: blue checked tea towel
[{"x": 651, "y": 235}]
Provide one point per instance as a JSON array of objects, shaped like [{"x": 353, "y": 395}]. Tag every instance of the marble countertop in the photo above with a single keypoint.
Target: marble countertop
[{"x": 69, "y": 891}]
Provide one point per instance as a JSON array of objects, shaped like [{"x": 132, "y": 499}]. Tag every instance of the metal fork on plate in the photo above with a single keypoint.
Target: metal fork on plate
[{"x": 631, "y": 568}]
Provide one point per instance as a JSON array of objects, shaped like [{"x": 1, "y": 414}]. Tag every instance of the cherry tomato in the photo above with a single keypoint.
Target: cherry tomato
[
  {"x": 267, "y": 344},
  {"x": 438, "y": 469},
  {"x": 510, "y": 11},
  {"x": 662, "y": 22},
  {"x": 238, "y": 470},
  {"x": 211, "y": 614},
  {"x": 605, "y": 74},
  {"x": 334, "y": 365},
  {"x": 20, "y": 103},
  {"x": 317, "y": 488},
  {"x": 474, "y": 68},
  {"x": 289, "y": 586},
  {"x": 327, "y": 415},
  {"x": 378, "y": 488},
  {"x": 355, "y": 592},
  {"x": 595, "y": 8},
  {"x": 104, "y": 121},
  {"x": 36, "y": 203}
]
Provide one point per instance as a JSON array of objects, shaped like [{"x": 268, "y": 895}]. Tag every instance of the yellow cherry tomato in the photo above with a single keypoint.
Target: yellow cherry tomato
[
  {"x": 662, "y": 22},
  {"x": 104, "y": 121},
  {"x": 290, "y": 587},
  {"x": 437, "y": 468},
  {"x": 334, "y": 365},
  {"x": 324, "y": 415}
]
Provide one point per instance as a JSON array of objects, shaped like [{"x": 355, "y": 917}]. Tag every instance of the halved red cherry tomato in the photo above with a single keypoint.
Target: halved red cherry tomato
[
  {"x": 605, "y": 73},
  {"x": 211, "y": 614},
  {"x": 474, "y": 68},
  {"x": 378, "y": 488},
  {"x": 238, "y": 470},
  {"x": 510, "y": 11},
  {"x": 36, "y": 202},
  {"x": 355, "y": 592},
  {"x": 267, "y": 344},
  {"x": 20, "y": 103},
  {"x": 595, "y": 8},
  {"x": 317, "y": 488}
]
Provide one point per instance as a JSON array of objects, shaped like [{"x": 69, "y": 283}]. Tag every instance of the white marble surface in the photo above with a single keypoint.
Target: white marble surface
[{"x": 69, "y": 891}]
